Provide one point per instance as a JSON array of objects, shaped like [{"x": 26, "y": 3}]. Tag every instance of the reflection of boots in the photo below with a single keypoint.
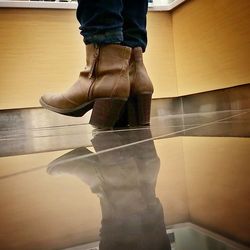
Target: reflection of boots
[
  {"x": 103, "y": 85},
  {"x": 137, "y": 112},
  {"x": 148, "y": 164},
  {"x": 124, "y": 179},
  {"x": 147, "y": 160},
  {"x": 75, "y": 163},
  {"x": 133, "y": 217}
]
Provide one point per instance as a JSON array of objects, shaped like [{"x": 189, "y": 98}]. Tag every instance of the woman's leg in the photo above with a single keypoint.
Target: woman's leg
[
  {"x": 134, "y": 23},
  {"x": 101, "y": 21},
  {"x": 141, "y": 88},
  {"x": 113, "y": 21}
]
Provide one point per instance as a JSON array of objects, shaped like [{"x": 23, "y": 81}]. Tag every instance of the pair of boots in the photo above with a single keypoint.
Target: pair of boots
[{"x": 114, "y": 83}]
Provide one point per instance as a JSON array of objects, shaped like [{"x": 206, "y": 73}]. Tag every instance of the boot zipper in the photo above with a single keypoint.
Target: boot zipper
[{"x": 93, "y": 66}]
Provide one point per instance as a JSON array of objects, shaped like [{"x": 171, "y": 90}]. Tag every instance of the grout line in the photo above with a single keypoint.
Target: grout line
[
  {"x": 153, "y": 117},
  {"x": 157, "y": 137}
]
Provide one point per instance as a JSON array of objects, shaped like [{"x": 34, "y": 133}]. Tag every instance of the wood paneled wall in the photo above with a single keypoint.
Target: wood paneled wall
[
  {"x": 202, "y": 45},
  {"x": 212, "y": 44}
]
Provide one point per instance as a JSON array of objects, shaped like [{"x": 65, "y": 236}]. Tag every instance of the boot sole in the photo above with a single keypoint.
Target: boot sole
[
  {"x": 106, "y": 111},
  {"x": 75, "y": 112}
]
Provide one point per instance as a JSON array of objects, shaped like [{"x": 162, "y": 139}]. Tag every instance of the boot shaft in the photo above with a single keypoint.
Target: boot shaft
[
  {"x": 107, "y": 69},
  {"x": 139, "y": 78}
]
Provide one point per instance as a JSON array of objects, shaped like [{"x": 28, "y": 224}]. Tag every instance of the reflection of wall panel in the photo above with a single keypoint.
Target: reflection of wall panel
[
  {"x": 201, "y": 180},
  {"x": 41, "y": 50},
  {"x": 42, "y": 212},
  {"x": 217, "y": 177},
  {"x": 171, "y": 184},
  {"x": 212, "y": 44}
]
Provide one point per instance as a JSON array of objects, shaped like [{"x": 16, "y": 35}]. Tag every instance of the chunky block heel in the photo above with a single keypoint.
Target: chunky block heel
[
  {"x": 138, "y": 109},
  {"x": 123, "y": 121},
  {"x": 106, "y": 112}
]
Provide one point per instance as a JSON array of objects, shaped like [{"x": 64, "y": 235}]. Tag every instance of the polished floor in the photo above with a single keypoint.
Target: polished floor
[{"x": 182, "y": 183}]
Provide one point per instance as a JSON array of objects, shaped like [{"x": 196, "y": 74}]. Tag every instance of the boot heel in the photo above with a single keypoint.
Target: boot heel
[
  {"x": 139, "y": 108},
  {"x": 106, "y": 112}
]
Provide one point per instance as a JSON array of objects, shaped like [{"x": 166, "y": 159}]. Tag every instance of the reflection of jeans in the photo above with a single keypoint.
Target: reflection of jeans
[{"x": 113, "y": 21}]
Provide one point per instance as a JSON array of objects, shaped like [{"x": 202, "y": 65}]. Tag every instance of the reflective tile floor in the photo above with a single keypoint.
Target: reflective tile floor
[{"x": 182, "y": 183}]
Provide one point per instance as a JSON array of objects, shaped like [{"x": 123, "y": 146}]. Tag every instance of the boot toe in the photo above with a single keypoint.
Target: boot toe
[
  {"x": 56, "y": 101},
  {"x": 48, "y": 98}
]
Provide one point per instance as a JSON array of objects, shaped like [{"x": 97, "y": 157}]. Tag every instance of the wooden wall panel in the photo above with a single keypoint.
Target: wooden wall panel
[
  {"x": 40, "y": 50},
  {"x": 212, "y": 44},
  {"x": 218, "y": 186}
]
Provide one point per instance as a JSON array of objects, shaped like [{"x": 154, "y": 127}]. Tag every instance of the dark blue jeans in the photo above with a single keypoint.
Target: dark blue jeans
[{"x": 113, "y": 21}]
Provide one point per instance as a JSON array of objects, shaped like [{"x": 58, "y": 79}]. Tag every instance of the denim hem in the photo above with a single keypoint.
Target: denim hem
[
  {"x": 104, "y": 38},
  {"x": 135, "y": 44}
]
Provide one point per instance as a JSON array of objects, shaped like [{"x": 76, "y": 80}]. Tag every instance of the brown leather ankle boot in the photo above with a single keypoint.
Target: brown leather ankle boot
[
  {"x": 103, "y": 85},
  {"x": 137, "y": 110}
]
